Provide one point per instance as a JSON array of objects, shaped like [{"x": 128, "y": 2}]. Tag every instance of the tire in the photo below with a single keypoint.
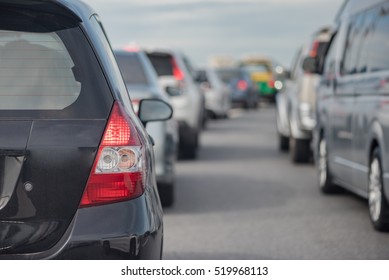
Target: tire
[
  {"x": 246, "y": 105},
  {"x": 378, "y": 205},
  {"x": 283, "y": 143},
  {"x": 300, "y": 150},
  {"x": 325, "y": 180},
  {"x": 166, "y": 194},
  {"x": 189, "y": 150}
]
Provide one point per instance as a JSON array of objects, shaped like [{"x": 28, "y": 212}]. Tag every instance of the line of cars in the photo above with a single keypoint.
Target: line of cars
[
  {"x": 349, "y": 132},
  {"x": 89, "y": 137}
]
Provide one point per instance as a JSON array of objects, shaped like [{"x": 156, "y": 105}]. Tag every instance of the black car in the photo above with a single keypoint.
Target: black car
[
  {"x": 244, "y": 91},
  {"x": 76, "y": 172}
]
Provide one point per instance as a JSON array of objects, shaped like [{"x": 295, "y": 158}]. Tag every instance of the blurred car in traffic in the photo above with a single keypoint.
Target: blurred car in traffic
[
  {"x": 142, "y": 83},
  {"x": 76, "y": 165},
  {"x": 217, "y": 93},
  {"x": 352, "y": 131},
  {"x": 296, "y": 104},
  {"x": 267, "y": 74},
  {"x": 177, "y": 77},
  {"x": 244, "y": 92}
]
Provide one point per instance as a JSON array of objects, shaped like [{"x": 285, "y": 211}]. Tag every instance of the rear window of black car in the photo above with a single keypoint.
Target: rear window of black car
[
  {"x": 132, "y": 68},
  {"x": 162, "y": 63},
  {"x": 49, "y": 73}
]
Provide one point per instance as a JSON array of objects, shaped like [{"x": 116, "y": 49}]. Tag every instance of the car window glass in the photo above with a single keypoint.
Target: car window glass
[
  {"x": 354, "y": 39},
  {"x": 228, "y": 76},
  {"x": 162, "y": 63},
  {"x": 202, "y": 76},
  {"x": 262, "y": 68},
  {"x": 367, "y": 44},
  {"x": 36, "y": 72},
  {"x": 329, "y": 64},
  {"x": 132, "y": 69},
  {"x": 375, "y": 53}
]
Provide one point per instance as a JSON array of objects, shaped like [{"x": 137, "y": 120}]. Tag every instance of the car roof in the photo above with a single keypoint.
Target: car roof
[
  {"x": 73, "y": 8},
  {"x": 169, "y": 51},
  {"x": 351, "y": 7}
]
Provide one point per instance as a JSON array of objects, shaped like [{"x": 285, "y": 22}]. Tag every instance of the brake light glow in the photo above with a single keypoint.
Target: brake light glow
[
  {"x": 118, "y": 172},
  {"x": 177, "y": 72},
  {"x": 242, "y": 85},
  {"x": 271, "y": 83},
  {"x": 314, "y": 49}
]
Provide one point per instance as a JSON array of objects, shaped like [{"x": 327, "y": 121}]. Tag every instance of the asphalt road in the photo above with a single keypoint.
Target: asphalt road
[{"x": 243, "y": 199}]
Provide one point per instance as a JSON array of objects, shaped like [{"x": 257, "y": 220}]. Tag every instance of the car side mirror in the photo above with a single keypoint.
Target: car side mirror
[
  {"x": 173, "y": 91},
  {"x": 151, "y": 110},
  {"x": 310, "y": 65}
]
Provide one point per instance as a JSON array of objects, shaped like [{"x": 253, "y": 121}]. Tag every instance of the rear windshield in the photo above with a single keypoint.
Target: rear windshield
[
  {"x": 50, "y": 74},
  {"x": 162, "y": 63},
  {"x": 262, "y": 68},
  {"x": 227, "y": 76},
  {"x": 132, "y": 69},
  {"x": 202, "y": 76}
]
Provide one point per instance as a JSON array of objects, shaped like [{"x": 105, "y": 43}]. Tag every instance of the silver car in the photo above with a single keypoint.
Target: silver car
[
  {"x": 352, "y": 131},
  {"x": 177, "y": 77},
  {"x": 142, "y": 82},
  {"x": 217, "y": 93},
  {"x": 296, "y": 104}
]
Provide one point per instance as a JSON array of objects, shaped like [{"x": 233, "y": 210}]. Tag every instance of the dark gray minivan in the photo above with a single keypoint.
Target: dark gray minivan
[
  {"x": 77, "y": 177},
  {"x": 352, "y": 132}
]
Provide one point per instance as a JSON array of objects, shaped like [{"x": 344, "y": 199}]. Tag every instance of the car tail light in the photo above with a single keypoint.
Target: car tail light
[
  {"x": 131, "y": 48},
  {"x": 271, "y": 83},
  {"x": 177, "y": 72},
  {"x": 118, "y": 172},
  {"x": 242, "y": 85},
  {"x": 314, "y": 49}
]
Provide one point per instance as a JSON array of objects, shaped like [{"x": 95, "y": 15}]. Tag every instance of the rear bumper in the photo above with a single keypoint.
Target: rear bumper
[
  {"x": 124, "y": 230},
  {"x": 118, "y": 231}
]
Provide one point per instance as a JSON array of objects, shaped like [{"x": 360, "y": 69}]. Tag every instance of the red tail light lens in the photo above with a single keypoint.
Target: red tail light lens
[
  {"x": 271, "y": 83},
  {"x": 177, "y": 72},
  {"x": 118, "y": 171},
  {"x": 314, "y": 49},
  {"x": 242, "y": 85}
]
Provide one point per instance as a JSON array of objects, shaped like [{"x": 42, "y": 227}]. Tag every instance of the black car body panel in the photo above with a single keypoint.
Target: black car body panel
[{"x": 46, "y": 153}]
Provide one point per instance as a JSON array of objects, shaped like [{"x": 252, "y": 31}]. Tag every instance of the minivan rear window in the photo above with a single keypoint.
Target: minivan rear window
[{"x": 52, "y": 74}]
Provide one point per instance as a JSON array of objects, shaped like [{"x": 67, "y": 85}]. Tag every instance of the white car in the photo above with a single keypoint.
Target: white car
[
  {"x": 142, "y": 83},
  {"x": 217, "y": 93},
  {"x": 296, "y": 104},
  {"x": 177, "y": 77}
]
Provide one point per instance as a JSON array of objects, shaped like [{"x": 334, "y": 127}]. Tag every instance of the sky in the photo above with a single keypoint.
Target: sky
[{"x": 205, "y": 28}]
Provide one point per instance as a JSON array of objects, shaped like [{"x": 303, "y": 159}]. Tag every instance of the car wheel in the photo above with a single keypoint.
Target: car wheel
[
  {"x": 326, "y": 184},
  {"x": 300, "y": 150},
  {"x": 166, "y": 194},
  {"x": 378, "y": 205},
  {"x": 246, "y": 105},
  {"x": 189, "y": 150},
  {"x": 283, "y": 143}
]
